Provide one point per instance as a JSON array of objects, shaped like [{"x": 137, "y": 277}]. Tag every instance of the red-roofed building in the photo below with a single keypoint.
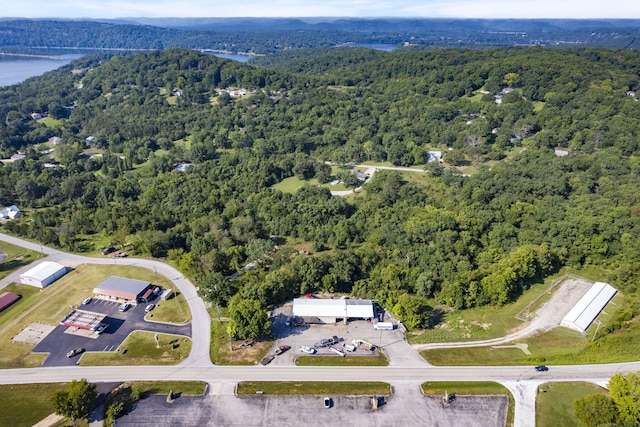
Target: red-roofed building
[{"x": 7, "y": 298}]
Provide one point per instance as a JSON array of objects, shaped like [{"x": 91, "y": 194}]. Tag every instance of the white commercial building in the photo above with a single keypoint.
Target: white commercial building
[
  {"x": 43, "y": 274},
  {"x": 330, "y": 310},
  {"x": 590, "y": 305}
]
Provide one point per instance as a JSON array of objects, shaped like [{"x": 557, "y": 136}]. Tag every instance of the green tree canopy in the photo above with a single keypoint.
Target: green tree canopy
[
  {"x": 248, "y": 318},
  {"x": 75, "y": 401},
  {"x": 595, "y": 410}
]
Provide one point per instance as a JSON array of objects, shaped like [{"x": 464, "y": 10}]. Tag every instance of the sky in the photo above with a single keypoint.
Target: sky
[{"x": 531, "y": 9}]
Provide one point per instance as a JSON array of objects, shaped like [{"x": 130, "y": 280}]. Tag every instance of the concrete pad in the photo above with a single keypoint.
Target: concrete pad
[{"x": 33, "y": 334}]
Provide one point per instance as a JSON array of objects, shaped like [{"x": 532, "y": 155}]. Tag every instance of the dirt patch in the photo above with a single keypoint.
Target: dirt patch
[
  {"x": 33, "y": 334},
  {"x": 551, "y": 313}
]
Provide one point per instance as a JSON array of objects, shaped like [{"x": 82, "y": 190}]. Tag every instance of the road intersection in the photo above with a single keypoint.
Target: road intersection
[{"x": 522, "y": 381}]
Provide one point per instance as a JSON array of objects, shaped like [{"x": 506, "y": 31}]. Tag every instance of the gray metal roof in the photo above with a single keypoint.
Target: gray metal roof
[{"x": 121, "y": 285}]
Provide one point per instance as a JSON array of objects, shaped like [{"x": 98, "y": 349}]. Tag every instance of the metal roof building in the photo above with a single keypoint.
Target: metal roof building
[
  {"x": 43, "y": 274},
  {"x": 122, "y": 288},
  {"x": 83, "y": 319},
  {"x": 7, "y": 298},
  {"x": 330, "y": 310},
  {"x": 590, "y": 305}
]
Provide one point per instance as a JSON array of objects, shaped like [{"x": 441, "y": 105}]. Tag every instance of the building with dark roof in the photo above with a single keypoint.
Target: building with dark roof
[
  {"x": 120, "y": 288},
  {"x": 7, "y": 298}
]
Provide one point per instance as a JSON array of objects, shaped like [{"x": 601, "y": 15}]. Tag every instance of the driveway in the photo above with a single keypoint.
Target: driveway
[{"x": 120, "y": 325}]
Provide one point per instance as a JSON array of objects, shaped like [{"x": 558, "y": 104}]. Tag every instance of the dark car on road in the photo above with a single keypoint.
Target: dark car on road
[{"x": 542, "y": 368}]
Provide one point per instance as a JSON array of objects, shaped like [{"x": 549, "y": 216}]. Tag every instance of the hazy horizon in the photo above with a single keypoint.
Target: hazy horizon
[{"x": 462, "y": 9}]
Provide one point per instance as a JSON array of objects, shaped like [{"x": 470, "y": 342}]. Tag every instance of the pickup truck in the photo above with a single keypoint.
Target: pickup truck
[
  {"x": 267, "y": 359},
  {"x": 282, "y": 349}
]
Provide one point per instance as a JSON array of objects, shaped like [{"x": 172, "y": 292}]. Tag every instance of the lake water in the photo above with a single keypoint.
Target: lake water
[
  {"x": 17, "y": 69},
  {"x": 234, "y": 56}
]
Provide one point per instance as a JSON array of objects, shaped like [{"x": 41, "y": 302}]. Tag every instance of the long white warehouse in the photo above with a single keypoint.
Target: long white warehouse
[
  {"x": 43, "y": 274},
  {"x": 590, "y": 305},
  {"x": 330, "y": 310}
]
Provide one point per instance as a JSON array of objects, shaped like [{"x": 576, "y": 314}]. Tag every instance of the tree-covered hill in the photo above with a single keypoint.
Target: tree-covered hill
[
  {"x": 271, "y": 35},
  {"x": 502, "y": 211}
]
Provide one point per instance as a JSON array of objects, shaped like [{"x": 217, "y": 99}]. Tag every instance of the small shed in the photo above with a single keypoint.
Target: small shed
[
  {"x": 43, "y": 274},
  {"x": 588, "y": 307},
  {"x": 7, "y": 298}
]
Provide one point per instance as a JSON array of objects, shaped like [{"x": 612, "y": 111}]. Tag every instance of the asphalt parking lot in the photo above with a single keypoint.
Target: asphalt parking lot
[
  {"x": 410, "y": 409},
  {"x": 120, "y": 325}
]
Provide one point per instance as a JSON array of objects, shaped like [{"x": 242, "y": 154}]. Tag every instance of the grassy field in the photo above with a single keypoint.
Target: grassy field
[
  {"x": 478, "y": 323},
  {"x": 559, "y": 346},
  {"x": 49, "y": 305},
  {"x": 554, "y": 403},
  {"x": 485, "y": 322},
  {"x": 173, "y": 310},
  {"x": 222, "y": 354},
  {"x": 313, "y": 388},
  {"x": 470, "y": 389},
  {"x": 50, "y": 122},
  {"x": 379, "y": 360},
  {"x": 17, "y": 257},
  {"x": 26, "y": 404},
  {"x": 140, "y": 349}
]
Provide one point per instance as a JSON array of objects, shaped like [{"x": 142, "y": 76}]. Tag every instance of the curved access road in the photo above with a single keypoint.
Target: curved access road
[
  {"x": 371, "y": 170},
  {"x": 200, "y": 319}
]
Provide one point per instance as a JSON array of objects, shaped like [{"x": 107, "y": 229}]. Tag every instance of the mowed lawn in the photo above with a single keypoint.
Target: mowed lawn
[
  {"x": 554, "y": 403},
  {"x": 140, "y": 348},
  {"x": 23, "y": 405},
  {"x": 17, "y": 257},
  {"x": 286, "y": 388},
  {"x": 49, "y": 305}
]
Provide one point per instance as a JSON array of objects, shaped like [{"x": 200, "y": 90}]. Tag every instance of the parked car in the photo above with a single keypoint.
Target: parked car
[
  {"x": 149, "y": 308},
  {"x": 288, "y": 321},
  {"x": 282, "y": 349},
  {"x": 86, "y": 301},
  {"x": 157, "y": 290},
  {"x": 124, "y": 307},
  {"x": 306, "y": 349},
  {"x": 101, "y": 328},
  {"x": 108, "y": 250},
  {"x": 327, "y": 402},
  {"x": 75, "y": 352},
  {"x": 542, "y": 368},
  {"x": 267, "y": 359},
  {"x": 247, "y": 344}
]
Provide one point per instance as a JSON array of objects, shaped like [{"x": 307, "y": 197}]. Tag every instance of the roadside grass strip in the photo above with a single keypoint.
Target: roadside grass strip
[
  {"x": 140, "y": 349},
  {"x": 287, "y": 388},
  {"x": 379, "y": 360},
  {"x": 23, "y": 405}
]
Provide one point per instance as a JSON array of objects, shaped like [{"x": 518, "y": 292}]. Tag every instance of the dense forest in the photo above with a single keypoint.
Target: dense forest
[
  {"x": 540, "y": 168},
  {"x": 267, "y": 36}
]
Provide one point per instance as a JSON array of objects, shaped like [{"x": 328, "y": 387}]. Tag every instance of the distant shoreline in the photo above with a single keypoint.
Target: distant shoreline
[{"x": 29, "y": 55}]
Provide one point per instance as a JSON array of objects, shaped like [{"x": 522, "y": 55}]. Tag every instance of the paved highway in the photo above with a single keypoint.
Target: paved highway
[{"x": 522, "y": 381}]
